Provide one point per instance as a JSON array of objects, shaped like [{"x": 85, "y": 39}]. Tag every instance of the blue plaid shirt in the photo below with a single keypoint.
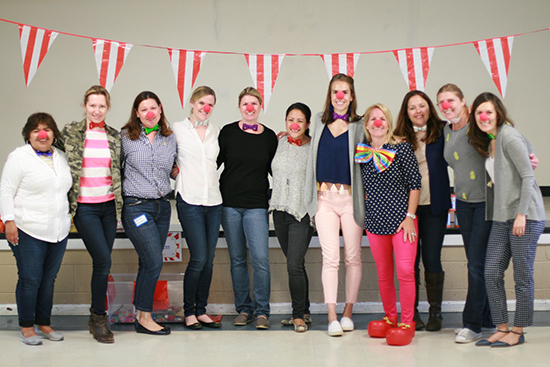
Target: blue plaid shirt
[{"x": 147, "y": 166}]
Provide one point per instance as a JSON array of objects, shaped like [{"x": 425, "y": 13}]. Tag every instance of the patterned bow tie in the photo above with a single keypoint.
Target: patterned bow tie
[
  {"x": 48, "y": 153},
  {"x": 97, "y": 124},
  {"x": 199, "y": 123},
  {"x": 423, "y": 128},
  {"x": 336, "y": 116},
  {"x": 382, "y": 158},
  {"x": 252, "y": 127},
  {"x": 298, "y": 142},
  {"x": 150, "y": 130}
]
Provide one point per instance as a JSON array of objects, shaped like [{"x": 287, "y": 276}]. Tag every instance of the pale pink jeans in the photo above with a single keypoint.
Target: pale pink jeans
[
  {"x": 383, "y": 248},
  {"x": 335, "y": 210}
]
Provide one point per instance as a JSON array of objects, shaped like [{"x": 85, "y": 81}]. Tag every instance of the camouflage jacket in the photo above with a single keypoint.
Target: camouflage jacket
[{"x": 72, "y": 142}]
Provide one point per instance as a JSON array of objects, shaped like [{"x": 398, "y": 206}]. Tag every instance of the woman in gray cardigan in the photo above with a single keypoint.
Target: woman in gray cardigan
[{"x": 515, "y": 205}]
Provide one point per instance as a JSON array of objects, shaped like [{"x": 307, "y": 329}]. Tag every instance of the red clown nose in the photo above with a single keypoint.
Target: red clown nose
[
  {"x": 294, "y": 126},
  {"x": 42, "y": 134},
  {"x": 377, "y": 123},
  {"x": 150, "y": 115},
  {"x": 483, "y": 117},
  {"x": 445, "y": 105},
  {"x": 249, "y": 108},
  {"x": 340, "y": 95},
  {"x": 207, "y": 108}
]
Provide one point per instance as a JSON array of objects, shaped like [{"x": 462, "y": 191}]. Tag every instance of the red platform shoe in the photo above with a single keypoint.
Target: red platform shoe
[
  {"x": 379, "y": 328},
  {"x": 403, "y": 334}
]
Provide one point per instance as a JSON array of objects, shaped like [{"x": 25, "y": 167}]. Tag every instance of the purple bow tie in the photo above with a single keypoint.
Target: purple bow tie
[
  {"x": 253, "y": 127},
  {"x": 49, "y": 153},
  {"x": 336, "y": 116}
]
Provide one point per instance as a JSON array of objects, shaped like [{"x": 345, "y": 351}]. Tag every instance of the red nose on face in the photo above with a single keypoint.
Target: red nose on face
[
  {"x": 294, "y": 126},
  {"x": 249, "y": 108},
  {"x": 42, "y": 134},
  {"x": 483, "y": 117},
  {"x": 150, "y": 115},
  {"x": 445, "y": 105},
  {"x": 377, "y": 123},
  {"x": 207, "y": 108},
  {"x": 340, "y": 95}
]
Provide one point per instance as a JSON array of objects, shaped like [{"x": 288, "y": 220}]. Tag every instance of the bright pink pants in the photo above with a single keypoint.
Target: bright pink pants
[
  {"x": 383, "y": 248},
  {"x": 335, "y": 210}
]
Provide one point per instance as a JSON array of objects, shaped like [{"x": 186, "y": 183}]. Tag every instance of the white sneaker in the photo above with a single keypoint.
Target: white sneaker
[
  {"x": 467, "y": 336},
  {"x": 458, "y": 330},
  {"x": 347, "y": 324},
  {"x": 335, "y": 329}
]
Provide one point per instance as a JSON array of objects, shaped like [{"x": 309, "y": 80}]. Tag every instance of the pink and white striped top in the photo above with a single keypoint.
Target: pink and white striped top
[{"x": 96, "y": 182}]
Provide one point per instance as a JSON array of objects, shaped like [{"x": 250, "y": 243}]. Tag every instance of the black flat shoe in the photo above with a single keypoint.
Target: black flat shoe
[
  {"x": 195, "y": 326},
  {"x": 143, "y": 330},
  {"x": 211, "y": 325}
]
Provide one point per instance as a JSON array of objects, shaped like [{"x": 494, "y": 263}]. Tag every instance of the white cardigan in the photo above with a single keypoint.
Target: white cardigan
[{"x": 35, "y": 196}]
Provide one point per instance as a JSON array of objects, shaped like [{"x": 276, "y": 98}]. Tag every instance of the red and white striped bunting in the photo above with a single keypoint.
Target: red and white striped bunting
[
  {"x": 495, "y": 54},
  {"x": 340, "y": 63},
  {"x": 415, "y": 65},
  {"x": 35, "y": 43},
  {"x": 186, "y": 66},
  {"x": 264, "y": 70},
  {"x": 109, "y": 58}
]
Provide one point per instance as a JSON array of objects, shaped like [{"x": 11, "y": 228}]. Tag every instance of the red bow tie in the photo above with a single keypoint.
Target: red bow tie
[
  {"x": 99, "y": 124},
  {"x": 298, "y": 142}
]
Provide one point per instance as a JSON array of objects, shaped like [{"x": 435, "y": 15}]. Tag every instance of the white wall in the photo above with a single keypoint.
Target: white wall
[{"x": 283, "y": 26}]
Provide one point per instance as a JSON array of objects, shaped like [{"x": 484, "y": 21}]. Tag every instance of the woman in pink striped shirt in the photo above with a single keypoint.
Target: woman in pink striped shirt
[{"x": 93, "y": 152}]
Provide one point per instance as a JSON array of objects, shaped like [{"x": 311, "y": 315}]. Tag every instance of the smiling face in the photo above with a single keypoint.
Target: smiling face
[
  {"x": 418, "y": 111},
  {"x": 490, "y": 125},
  {"x": 96, "y": 108},
  {"x": 340, "y": 96},
  {"x": 377, "y": 124},
  {"x": 149, "y": 112},
  {"x": 296, "y": 124},
  {"x": 41, "y": 138},
  {"x": 200, "y": 111},
  {"x": 250, "y": 114},
  {"x": 455, "y": 105}
]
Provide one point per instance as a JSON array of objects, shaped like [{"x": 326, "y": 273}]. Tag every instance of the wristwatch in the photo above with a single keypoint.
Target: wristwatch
[{"x": 411, "y": 215}]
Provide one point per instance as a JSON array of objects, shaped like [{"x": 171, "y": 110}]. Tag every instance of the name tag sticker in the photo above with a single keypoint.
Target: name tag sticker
[{"x": 142, "y": 219}]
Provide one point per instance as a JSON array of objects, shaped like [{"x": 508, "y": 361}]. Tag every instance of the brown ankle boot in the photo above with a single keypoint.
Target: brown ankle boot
[{"x": 99, "y": 328}]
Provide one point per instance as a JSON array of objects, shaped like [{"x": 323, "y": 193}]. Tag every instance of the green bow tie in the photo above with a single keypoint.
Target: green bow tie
[{"x": 150, "y": 130}]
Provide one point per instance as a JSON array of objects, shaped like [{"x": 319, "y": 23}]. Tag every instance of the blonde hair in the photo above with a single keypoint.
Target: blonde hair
[
  {"x": 453, "y": 88},
  {"x": 201, "y": 92},
  {"x": 98, "y": 89},
  {"x": 389, "y": 119},
  {"x": 251, "y": 92}
]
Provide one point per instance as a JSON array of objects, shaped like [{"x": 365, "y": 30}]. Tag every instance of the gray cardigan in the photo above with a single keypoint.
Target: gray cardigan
[
  {"x": 356, "y": 135},
  {"x": 515, "y": 190}
]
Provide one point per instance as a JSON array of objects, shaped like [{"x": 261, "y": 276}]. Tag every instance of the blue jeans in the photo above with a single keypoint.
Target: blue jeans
[
  {"x": 37, "y": 265},
  {"x": 294, "y": 237},
  {"x": 475, "y": 232},
  {"x": 431, "y": 233},
  {"x": 242, "y": 226},
  {"x": 146, "y": 222},
  {"x": 201, "y": 228},
  {"x": 96, "y": 224}
]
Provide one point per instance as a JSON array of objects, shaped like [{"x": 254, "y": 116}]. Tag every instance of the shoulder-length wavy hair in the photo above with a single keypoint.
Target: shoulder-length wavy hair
[
  {"x": 404, "y": 126},
  {"x": 133, "y": 126},
  {"x": 327, "y": 118},
  {"x": 478, "y": 139},
  {"x": 389, "y": 119}
]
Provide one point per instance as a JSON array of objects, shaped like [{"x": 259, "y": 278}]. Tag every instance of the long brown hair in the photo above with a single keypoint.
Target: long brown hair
[
  {"x": 404, "y": 126},
  {"x": 327, "y": 113},
  {"x": 133, "y": 126},
  {"x": 478, "y": 139}
]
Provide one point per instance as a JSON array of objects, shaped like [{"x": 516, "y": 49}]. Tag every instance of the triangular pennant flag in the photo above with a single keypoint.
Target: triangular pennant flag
[
  {"x": 109, "y": 58},
  {"x": 340, "y": 63},
  {"x": 495, "y": 54},
  {"x": 415, "y": 65},
  {"x": 264, "y": 70},
  {"x": 186, "y": 66},
  {"x": 35, "y": 43}
]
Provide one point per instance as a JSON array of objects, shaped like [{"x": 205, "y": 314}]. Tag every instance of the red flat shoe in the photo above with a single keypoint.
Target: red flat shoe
[{"x": 379, "y": 328}]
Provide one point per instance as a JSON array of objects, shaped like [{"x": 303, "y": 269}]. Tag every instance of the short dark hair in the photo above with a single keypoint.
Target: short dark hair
[
  {"x": 302, "y": 107},
  {"x": 36, "y": 119}
]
